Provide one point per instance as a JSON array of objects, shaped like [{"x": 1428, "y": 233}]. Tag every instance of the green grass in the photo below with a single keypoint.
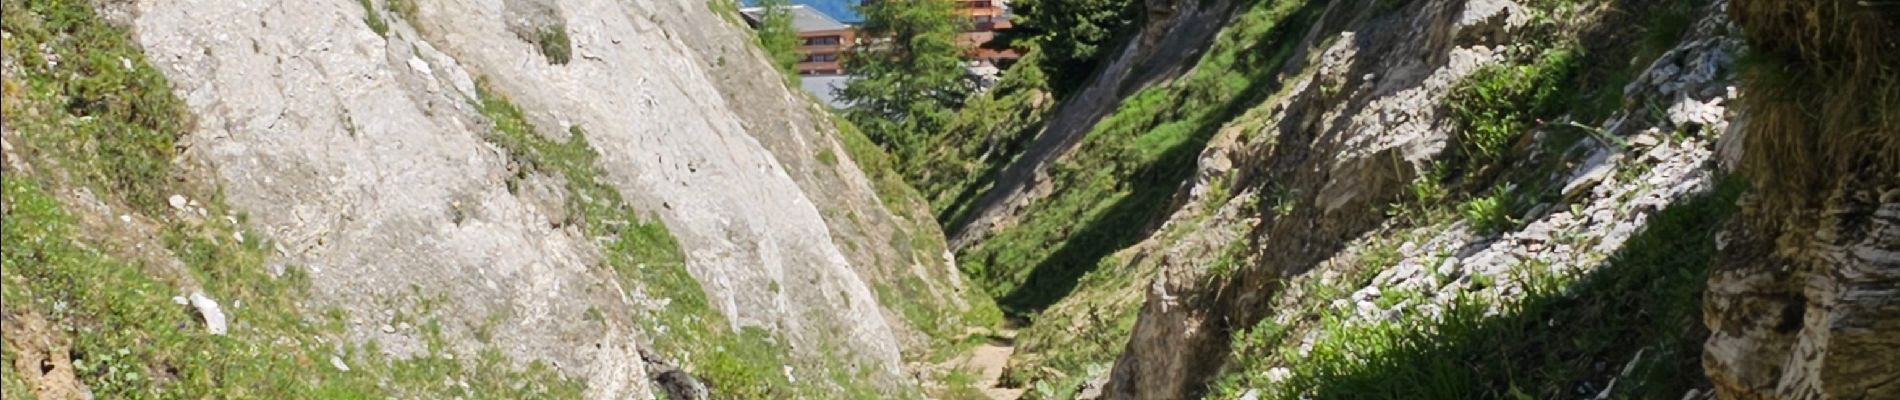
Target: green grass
[
  {"x": 1116, "y": 184},
  {"x": 988, "y": 133},
  {"x": 911, "y": 297},
  {"x": 374, "y": 18},
  {"x": 1121, "y": 176},
  {"x": 828, "y": 157},
  {"x": 1492, "y": 212},
  {"x": 1666, "y": 23},
  {"x": 103, "y": 120},
  {"x": 11, "y": 385},
  {"x": 727, "y": 9},
  {"x": 113, "y": 127},
  {"x": 554, "y": 44},
  {"x": 743, "y": 364},
  {"x": 1644, "y": 300},
  {"x": 408, "y": 9},
  {"x": 1498, "y": 104},
  {"x": 130, "y": 340},
  {"x": 1823, "y": 92}
]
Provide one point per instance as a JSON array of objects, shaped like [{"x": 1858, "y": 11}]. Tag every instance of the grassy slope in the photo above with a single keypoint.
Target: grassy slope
[
  {"x": 1120, "y": 178},
  {"x": 1498, "y": 105},
  {"x": 988, "y": 133},
  {"x": 736, "y": 364},
  {"x": 1117, "y": 184},
  {"x": 1646, "y": 297}
]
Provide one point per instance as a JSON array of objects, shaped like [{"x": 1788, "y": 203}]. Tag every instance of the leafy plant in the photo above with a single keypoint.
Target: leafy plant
[
  {"x": 1497, "y": 104},
  {"x": 1491, "y": 212},
  {"x": 554, "y": 44}
]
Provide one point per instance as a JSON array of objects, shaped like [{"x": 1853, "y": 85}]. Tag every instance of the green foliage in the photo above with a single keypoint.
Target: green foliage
[
  {"x": 1127, "y": 167},
  {"x": 911, "y": 295},
  {"x": 1492, "y": 212},
  {"x": 984, "y": 136},
  {"x": 877, "y": 164},
  {"x": 554, "y": 44},
  {"x": 374, "y": 18},
  {"x": 727, "y": 9},
  {"x": 1073, "y": 36},
  {"x": 1498, "y": 104},
  {"x": 11, "y": 385},
  {"x": 102, "y": 118},
  {"x": 1642, "y": 307},
  {"x": 778, "y": 37},
  {"x": 910, "y": 80},
  {"x": 828, "y": 157},
  {"x": 742, "y": 365},
  {"x": 116, "y": 122}
]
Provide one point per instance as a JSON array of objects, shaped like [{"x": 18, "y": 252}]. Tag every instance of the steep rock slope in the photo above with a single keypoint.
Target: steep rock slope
[
  {"x": 1804, "y": 301},
  {"x": 1390, "y": 194},
  {"x": 602, "y": 190}
]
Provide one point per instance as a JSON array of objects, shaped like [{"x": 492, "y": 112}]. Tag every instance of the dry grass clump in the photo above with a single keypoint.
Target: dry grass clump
[{"x": 1822, "y": 92}]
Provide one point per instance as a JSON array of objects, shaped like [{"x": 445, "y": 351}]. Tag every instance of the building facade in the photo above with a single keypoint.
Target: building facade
[{"x": 822, "y": 40}]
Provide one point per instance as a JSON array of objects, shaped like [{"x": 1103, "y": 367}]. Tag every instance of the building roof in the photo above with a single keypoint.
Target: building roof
[
  {"x": 804, "y": 19},
  {"x": 845, "y": 11}
]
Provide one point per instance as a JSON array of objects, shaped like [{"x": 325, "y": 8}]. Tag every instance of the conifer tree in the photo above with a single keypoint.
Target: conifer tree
[
  {"x": 908, "y": 73},
  {"x": 777, "y": 35}
]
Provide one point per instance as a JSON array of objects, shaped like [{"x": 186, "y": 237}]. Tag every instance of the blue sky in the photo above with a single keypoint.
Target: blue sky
[{"x": 843, "y": 10}]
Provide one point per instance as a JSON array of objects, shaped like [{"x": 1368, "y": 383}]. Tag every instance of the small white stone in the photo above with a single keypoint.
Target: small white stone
[
  {"x": 338, "y": 363},
  {"x": 421, "y": 67},
  {"x": 208, "y": 308},
  {"x": 177, "y": 202}
]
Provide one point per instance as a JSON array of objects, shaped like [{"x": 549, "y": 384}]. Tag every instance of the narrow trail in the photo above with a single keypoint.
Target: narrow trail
[{"x": 988, "y": 360}]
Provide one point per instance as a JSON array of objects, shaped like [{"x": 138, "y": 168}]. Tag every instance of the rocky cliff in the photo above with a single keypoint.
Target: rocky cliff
[
  {"x": 1805, "y": 297},
  {"x": 1459, "y": 199},
  {"x": 605, "y": 192},
  {"x": 1308, "y": 199}
]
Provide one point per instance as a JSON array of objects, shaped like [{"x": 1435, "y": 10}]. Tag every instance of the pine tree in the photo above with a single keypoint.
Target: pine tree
[
  {"x": 777, "y": 35},
  {"x": 908, "y": 74}
]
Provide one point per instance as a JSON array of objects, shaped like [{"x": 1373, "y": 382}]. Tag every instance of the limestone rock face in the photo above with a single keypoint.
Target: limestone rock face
[
  {"x": 362, "y": 155},
  {"x": 1337, "y": 135},
  {"x": 1811, "y": 315},
  {"x": 1804, "y": 299}
]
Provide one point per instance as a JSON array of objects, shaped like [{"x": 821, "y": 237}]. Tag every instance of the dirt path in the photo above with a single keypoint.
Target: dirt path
[{"x": 987, "y": 361}]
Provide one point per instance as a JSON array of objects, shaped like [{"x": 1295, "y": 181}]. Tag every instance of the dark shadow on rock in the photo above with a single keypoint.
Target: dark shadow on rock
[
  {"x": 1151, "y": 186},
  {"x": 1639, "y": 312}
]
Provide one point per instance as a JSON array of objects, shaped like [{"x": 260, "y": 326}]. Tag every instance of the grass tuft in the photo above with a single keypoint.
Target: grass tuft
[
  {"x": 554, "y": 44},
  {"x": 374, "y": 18}
]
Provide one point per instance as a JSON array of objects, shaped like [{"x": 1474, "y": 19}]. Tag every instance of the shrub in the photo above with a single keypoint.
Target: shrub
[
  {"x": 554, "y": 44},
  {"x": 1497, "y": 104}
]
